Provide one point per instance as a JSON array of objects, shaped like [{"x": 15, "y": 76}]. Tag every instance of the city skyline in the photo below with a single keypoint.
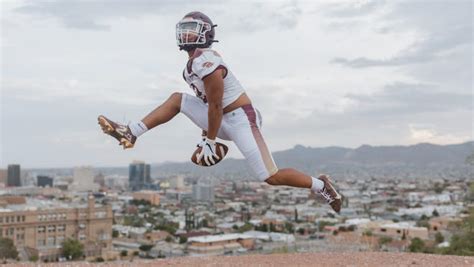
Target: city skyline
[{"x": 372, "y": 72}]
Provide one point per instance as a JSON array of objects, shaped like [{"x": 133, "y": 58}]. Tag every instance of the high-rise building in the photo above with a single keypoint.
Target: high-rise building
[
  {"x": 14, "y": 175},
  {"x": 83, "y": 179},
  {"x": 3, "y": 176},
  {"x": 99, "y": 179},
  {"x": 177, "y": 182},
  {"x": 203, "y": 190},
  {"x": 44, "y": 181},
  {"x": 139, "y": 176}
]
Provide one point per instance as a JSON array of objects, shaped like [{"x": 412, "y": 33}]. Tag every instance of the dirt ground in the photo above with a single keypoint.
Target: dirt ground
[{"x": 295, "y": 259}]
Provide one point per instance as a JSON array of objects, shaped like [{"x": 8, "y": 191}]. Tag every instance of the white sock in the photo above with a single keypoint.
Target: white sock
[
  {"x": 138, "y": 128},
  {"x": 317, "y": 185}
]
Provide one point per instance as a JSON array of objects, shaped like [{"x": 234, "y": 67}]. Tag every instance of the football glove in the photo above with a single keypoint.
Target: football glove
[
  {"x": 208, "y": 152},
  {"x": 202, "y": 143}
]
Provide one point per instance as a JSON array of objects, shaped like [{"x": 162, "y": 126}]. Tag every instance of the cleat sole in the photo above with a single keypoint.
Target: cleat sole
[{"x": 105, "y": 125}]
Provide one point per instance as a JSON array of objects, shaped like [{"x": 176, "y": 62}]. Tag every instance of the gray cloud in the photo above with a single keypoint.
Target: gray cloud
[
  {"x": 92, "y": 15},
  {"x": 427, "y": 50},
  {"x": 349, "y": 10},
  {"x": 443, "y": 27},
  {"x": 403, "y": 98},
  {"x": 385, "y": 117}
]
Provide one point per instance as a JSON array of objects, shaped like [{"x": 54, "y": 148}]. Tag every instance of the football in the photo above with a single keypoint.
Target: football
[{"x": 221, "y": 152}]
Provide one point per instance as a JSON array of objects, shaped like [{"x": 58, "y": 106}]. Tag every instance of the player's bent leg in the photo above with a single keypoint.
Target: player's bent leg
[
  {"x": 242, "y": 126},
  {"x": 290, "y": 177},
  {"x": 127, "y": 134},
  {"x": 165, "y": 112},
  {"x": 321, "y": 185}
]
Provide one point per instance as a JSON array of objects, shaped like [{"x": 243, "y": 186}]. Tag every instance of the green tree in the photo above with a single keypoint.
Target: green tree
[
  {"x": 416, "y": 245},
  {"x": 435, "y": 213},
  {"x": 423, "y": 221},
  {"x": 134, "y": 221},
  {"x": 367, "y": 233},
  {"x": 262, "y": 227},
  {"x": 145, "y": 248},
  {"x": 384, "y": 240},
  {"x": 123, "y": 253},
  {"x": 140, "y": 202},
  {"x": 246, "y": 227},
  {"x": 72, "y": 249},
  {"x": 438, "y": 188},
  {"x": 289, "y": 227},
  {"x": 7, "y": 249},
  {"x": 470, "y": 196},
  {"x": 462, "y": 243},
  {"x": 169, "y": 239},
  {"x": 439, "y": 238},
  {"x": 115, "y": 233},
  {"x": 183, "y": 239},
  {"x": 169, "y": 227},
  {"x": 272, "y": 227},
  {"x": 323, "y": 224}
]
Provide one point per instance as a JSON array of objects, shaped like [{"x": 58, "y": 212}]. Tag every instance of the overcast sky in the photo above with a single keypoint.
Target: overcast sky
[{"x": 322, "y": 73}]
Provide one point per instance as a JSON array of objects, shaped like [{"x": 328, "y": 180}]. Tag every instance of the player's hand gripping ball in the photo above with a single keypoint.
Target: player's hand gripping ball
[{"x": 209, "y": 153}]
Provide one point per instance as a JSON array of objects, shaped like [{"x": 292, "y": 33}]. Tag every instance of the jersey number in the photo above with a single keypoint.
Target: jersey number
[{"x": 198, "y": 93}]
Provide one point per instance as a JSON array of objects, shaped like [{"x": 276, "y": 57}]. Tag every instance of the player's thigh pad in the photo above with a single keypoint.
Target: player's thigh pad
[
  {"x": 196, "y": 111},
  {"x": 242, "y": 126}
]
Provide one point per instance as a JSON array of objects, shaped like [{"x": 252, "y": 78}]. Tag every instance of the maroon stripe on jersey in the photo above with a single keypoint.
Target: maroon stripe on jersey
[
  {"x": 220, "y": 67},
  {"x": 262, "y": 146}
]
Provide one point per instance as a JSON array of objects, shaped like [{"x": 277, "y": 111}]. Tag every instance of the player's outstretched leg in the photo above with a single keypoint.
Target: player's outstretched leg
[
  {"x": 321, "y": 185},
  {"x": 128, "y": 134}
]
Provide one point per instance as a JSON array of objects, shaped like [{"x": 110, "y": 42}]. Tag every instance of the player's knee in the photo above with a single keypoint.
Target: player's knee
[
  {"x": 273, "y": 180},
  {"x": 176, "y": 99}
]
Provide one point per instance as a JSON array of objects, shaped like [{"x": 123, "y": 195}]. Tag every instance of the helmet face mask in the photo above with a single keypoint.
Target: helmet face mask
[
  {"x": 195, "y": 30},
  {"x": 187, "y": 28}
]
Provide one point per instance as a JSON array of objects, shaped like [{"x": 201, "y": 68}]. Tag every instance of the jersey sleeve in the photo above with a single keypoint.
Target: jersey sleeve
[{"x": 207, "y": 63}]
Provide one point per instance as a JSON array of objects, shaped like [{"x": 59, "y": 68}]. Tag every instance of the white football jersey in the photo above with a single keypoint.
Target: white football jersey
[{"x": 205, "y": 62}]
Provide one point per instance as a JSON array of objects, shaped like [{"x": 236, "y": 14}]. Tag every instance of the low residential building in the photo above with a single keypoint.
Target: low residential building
[
  {"x": 401, "y": 230},
  {"x": 39, "y": 227},
  {"x": 219, "y": 244},
  {"x": 442, "y": 223},
  {"x": 151, "y": 196}
]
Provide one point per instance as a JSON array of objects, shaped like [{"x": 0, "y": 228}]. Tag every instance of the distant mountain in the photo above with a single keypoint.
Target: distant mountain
[{"x": 416, "y": 161}]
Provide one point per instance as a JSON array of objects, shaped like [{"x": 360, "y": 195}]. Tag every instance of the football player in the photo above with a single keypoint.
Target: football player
[{"x": 221, "y": 108}]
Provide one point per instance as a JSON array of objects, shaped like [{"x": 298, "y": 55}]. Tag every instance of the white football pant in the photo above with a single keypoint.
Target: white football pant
[{"x": 242, "y": 126}]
